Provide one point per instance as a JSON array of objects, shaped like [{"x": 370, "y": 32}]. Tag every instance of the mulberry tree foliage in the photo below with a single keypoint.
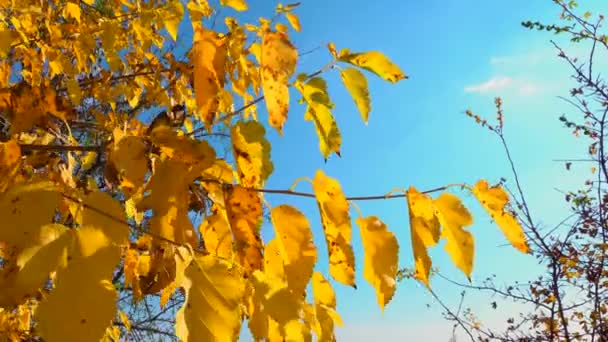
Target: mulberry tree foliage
[{"x": 113, "y": 117}]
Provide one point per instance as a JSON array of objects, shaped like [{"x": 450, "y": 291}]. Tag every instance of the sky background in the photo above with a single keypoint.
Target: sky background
[{"x": 458, "y": 55}]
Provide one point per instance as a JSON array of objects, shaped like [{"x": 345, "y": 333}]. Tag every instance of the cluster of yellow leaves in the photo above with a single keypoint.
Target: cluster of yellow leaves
[
  {"x": 428, "y": 216},
  {"x": 109, "y": 192}
]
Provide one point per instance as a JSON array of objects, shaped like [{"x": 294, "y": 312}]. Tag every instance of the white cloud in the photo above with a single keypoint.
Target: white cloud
[
  {"x": 496, "y": 83},
  {"x": 505, "y": 84}
]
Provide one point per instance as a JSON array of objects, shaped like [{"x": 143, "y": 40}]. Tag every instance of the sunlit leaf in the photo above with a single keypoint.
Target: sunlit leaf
[
  {"x": 381, "y": 254},
  {"x": 293, "y": 21},
  {"x": 21, "y": 228},
  {"x": 336, "y": 226},
  {"x": 211, "y": 308},
  {"x": 244, "y": 209},
  {"x": 278, "y": 58},
  {"x": 318, "y": 111},
  {"x": 297, "y": 248},
  {"x": 424, "y": 231},
  {"x": 356, "y": 84},
  {"x": 239, "y": 5},
  {"x": 252, "y": 153},
  {"x": 208, "y": 56},
  {"x": 494, "y": 199},
  {"x": 454, "y": 216},
  {"x": 375, "y": 62}
]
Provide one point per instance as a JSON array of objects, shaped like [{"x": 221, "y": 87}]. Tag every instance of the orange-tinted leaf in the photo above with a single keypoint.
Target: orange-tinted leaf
[{"x": 278, "y": 62}]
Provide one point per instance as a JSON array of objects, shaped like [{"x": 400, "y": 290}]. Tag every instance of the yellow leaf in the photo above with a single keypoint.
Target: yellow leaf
[
  {"x": 10, "y": 159},
  {"x": 276, "y": 299},
  {"x": 318, "y": 111},
  {"x": 325, "y": 305},
  {"x": 211, "y": 309},
  {"x": 106, "y": 213},
  {"x": 83, "y": 302},
  {"x": 173, "y": 18},
  {"x": 251, "y": 153},
  {"x": 244, "y": 209},
  {"x": 273, "y": 259},
  {"x": 6, "y": 40},
  {"x": 293, "y": 21},
  {"x": 424, "y": 231},
  {"x": 239, "y": 5},
  {"x": 209, "y": 58},
  {"x": 72, "y": 10},
  {"x": 297, "y": 248},
  {"x": 336, "y": 226},
  {"x": 278, "y": 58},
  {"x": 279, "y": 27},
  {"x": 356, "y": 84},
  {"x": 125, "y": 320},
  {"x": 381, "y": 257},
  {"x": 494, "y": 199},
  {"x": 454, "y": 216},
  {"x": 130, "y": 269},
  {"x": 88, "y": 161},
  {"x": 183, "y": 258},
  {"x": 34, "y": 265},
  {"x": 129, "y": 158},
  {"x": 196, "y": 153},
  {"x": 74, "y": 91},
  {"x": 169, "y": 199},
  {"x": 375, "y": 62},
  {"x": 256, "y": 50},
  {"x": 216, "y": 233},
  {"x": 24, "y": 209}
]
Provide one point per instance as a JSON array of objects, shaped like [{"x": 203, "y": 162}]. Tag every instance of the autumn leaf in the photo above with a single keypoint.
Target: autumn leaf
[
  {"x": 168, "y": 198},
  {"x": 297, "y": 248},
  {"x": 83, "y": 290},
  {"x": 293, "y": 21},
  {"x": 252, "y": 153},
  {"x": 211, "y": 308},
  {"x": 239, "y": 5},
  {"x": 318, "y": 111},
  {"x": 336, "y": 226},
  {"x": 244, "y": 210},
  {"x": 275, "y": 307},
  {"x": 216, "y": 233},
  {"x": 10, "y": 159},
  {"x": 325, "y": 305},
  {"x": 274, "y": 260},
  {"x": 381, "y": 252},
  {"x": 356, "y": 84},
  {"x": 454, "y": 216},
  {"x": 130, "y": 161},
  {"x": 278, "y": 58},
  {"x": 173, "y": 18},
  {"x": 209, "y": 58},
  {"x": 28, "y": 271},
  {"x": 424, "y": 231},
  {"x": 21, "y": 228},
  {"x": 374, "y": 61},
  {"x": 494, "y": 199}
]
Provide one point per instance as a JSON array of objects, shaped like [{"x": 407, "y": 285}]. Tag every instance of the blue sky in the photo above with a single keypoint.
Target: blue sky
[{"x": 459, "y": 55}]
